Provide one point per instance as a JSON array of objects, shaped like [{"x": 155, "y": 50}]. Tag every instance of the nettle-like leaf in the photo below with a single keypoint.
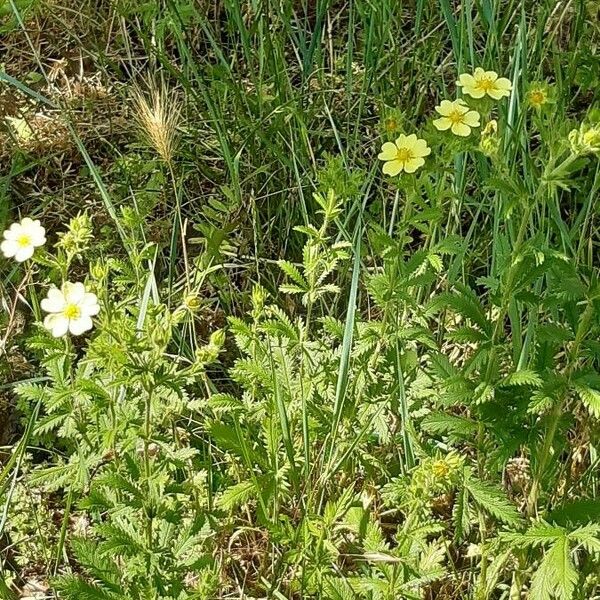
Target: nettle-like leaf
[
  {"x": 465, "y": 303},
  {"x": 556, "y": 576},
  {"x": 440, "y": 423},
  {"x": 491, "y": 499},
  {"x": 522, "y": 377},
  {"x": 74, "y": 587},
  {"x": 237, "y": 494},
  {"x": 587, "y": 387},
  {"x": 293, "y": 273}
]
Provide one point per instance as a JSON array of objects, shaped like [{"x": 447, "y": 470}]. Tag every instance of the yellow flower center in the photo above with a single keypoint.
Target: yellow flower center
[
  {"x": 403, "y": 154},
  {"x": 72, "y": 311},
  {"x": 24, "y": 240},
  {"x": 537, "y": 97},
  {"x": 456, "y": 116},
  {"x": 441, "y": 468},
  {"x": 485, "y": 84}
]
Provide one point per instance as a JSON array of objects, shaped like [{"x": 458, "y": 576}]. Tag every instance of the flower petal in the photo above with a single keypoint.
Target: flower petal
[
  {"x": 461, "y": 129},
  {"x": 421, "y": 148},
  {"x": 471, "y": 118},
  {"x": 474, "y": 92},
  {"x": 442, "y": 124},
  {"x": 13, "y": 232},
  {"x": 393, "y": 167},
  {"x": 410, "y": 166},
  {"x": 24, "y": 252},
  {"x": 73, "y": 292},
  {"x": 401, "y": 141},
  {"x": 89, "y": 305},
  {"x": 54, "y": 302},
  {"x": 388, "y": 151},
  {"x": 9, "y": 248},
  {"x": 445, "y": 108},
  {"x": 78, "y": 326},
  {"x": 57, "y": 324},
  {"x": 497, "y": 94},
  {"x": 503, "y": 84},
  {"x": 466, "y": 80}
]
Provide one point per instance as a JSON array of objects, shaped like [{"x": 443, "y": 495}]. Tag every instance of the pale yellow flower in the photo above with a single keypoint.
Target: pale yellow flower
[
  {"x": 71, "y": 309},
  {"x": 585, "y": 140},
  {"x": 483, "y": 82},
  {"x": 21, "y": 239},
  {"x": 405, "y": 154},
  {"x": 457, "y": 117}
]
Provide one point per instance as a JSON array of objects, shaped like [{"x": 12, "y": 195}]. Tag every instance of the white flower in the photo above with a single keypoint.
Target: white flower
[
  {"x": 71, "y": 309},
  {"x": 21, "y": 239}
]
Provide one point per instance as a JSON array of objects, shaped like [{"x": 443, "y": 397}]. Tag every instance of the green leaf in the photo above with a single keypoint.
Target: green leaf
[
  {"x": 588, "y": 537},
  {"x": 293, "y": 273},
  {"x": 492, "y": 500},
  {"x": 460, "y": 514},
  {"x": 590, "y": 398},
  {"x": 235, "y": 495},
  {"x": 539, "y": 534},
  {"x": 439, "y": 422},
  {"x": 523, "y": 377},
  {"x": 556, "y": 576}
]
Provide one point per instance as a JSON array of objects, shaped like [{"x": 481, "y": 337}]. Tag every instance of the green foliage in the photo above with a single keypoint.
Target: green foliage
[{"x": 306, "y": 379}]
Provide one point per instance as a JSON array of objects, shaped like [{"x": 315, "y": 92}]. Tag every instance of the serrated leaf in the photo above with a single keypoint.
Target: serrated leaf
[
  {"x": 523, "y": 377},
  {"x": 235, "y": 495},
  {"x": 439, "y": 422},
  {"x": 590, "y": 398},
  {"x": 556, "y": 576},
  {"x": 291, "y": 289},
  {"x": 493, "y": 501},
  {"x": 293, "y": 273}
]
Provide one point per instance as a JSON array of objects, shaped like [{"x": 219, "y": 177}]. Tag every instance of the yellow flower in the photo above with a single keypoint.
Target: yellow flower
[
  {"x": 490, "y": 143},
  {"x": 405, "y": 154},
  {"x": 585, "y": 140},
  {"x": 537, "y": 97},
  {"x": 457, "y": 117},
  {"x": 484, "y": 82}
]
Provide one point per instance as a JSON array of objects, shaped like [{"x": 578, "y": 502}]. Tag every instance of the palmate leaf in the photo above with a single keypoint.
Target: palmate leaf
[
  {"x": 97, "y": 565},
  {"x": 465, "y": 303},
  {"x": 121, "y": 538},
  {"x": 539, "y": 534},
  {"x": 588, "y": 537},
  {"x": 556, "y": 577}
]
